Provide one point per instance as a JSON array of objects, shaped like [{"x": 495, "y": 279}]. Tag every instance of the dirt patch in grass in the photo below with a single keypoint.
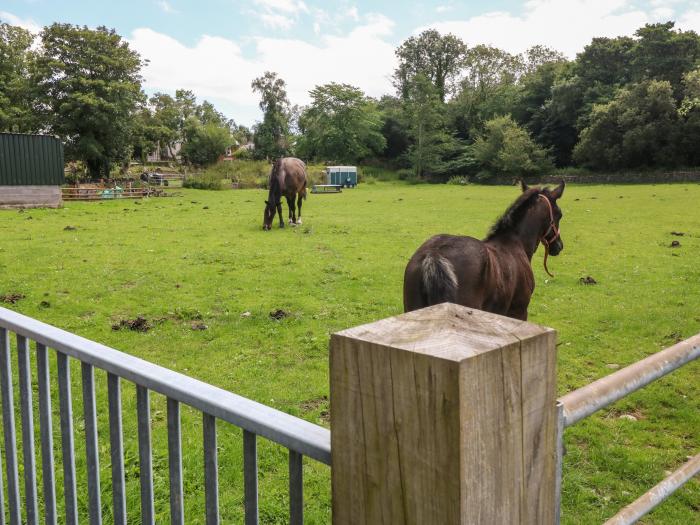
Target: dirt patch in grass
[
  {"x": 587, "y": 280},
  {"x": 11, "y": 298},
  {"x": 138, "y": 324},
  {"x": 279, "y": 314},
  {"x": 311, "y": 405}
]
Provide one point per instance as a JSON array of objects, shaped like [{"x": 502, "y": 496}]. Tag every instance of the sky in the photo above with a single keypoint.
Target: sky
[{"x": 217, "y": 47}]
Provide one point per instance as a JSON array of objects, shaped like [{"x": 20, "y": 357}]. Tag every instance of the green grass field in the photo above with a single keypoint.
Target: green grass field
[{"x": 203, "y": 258}]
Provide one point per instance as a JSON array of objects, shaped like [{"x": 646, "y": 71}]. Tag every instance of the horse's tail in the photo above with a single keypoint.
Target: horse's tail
[
  {"x": 303, "y": 191},
  {"x": 439, "y": 280}
]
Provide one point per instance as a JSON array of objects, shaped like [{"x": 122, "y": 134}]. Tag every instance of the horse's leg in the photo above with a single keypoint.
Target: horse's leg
[
  {"x": 279, "y": 211},
  {"x": 300, "y": 197},
  {"x": 290, "y": 205}
]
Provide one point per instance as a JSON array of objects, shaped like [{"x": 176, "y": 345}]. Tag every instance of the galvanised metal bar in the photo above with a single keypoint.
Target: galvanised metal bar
[
  {"x": 8, "y": 418},
  {"x": 291, "y": 432},
  {"x": 586, "y": 400},
  {"x": 67, "y": 443},
  {"x": 116, "y": 439},
  {"x": 644, "y": 504},
  {"x": 296, "y": 489},
  {"x": 91, "y": 444},
  {"x": 559, "y": 462},
  {"x": 250, "y": 477},
  {"x": 211, "y": 476},
  {"x": 2, "y": 498},
  {"x": 46, "y": 432},
  {"x": 143, "y": 411},
  {"x": 26, "y": 413},
  {"x": 177, "y": 515}
]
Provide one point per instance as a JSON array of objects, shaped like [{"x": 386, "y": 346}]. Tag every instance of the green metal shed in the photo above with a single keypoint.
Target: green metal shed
[{"x": 31, "y": 170}]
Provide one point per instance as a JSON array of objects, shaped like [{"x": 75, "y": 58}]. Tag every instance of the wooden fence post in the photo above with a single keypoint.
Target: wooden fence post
[{"x": 444, "y": 415}]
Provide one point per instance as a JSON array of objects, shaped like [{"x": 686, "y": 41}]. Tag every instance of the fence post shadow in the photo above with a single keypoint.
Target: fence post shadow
[{"x": 444, "y": 415}]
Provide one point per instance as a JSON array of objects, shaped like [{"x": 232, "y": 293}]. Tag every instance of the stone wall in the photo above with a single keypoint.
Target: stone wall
[
  {"x": 30, "y": 196},
  {"x": 607, "y": 178}
]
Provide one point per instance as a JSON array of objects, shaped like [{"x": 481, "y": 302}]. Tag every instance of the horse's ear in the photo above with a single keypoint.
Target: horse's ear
[
  {"x": 557, "y": 192},
  {"x": 523, "y": 185}
]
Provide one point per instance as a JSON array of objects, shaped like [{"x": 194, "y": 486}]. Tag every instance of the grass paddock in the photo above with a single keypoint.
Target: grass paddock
[{"x": 204, "y": 259}]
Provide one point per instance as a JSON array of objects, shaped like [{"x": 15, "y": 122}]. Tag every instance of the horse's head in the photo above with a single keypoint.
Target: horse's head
[
  {"x": 269, "y": 215},
  {"x": 550, "y": 234}
]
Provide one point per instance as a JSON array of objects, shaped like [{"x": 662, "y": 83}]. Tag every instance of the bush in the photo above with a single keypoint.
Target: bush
[
  {"x": 459, "y": 180},
  {"x": 205, "y": 181},
  {"x": 507, "y": 149}
]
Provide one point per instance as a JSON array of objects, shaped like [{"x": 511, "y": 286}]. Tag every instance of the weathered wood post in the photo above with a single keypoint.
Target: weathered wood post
[{"x": 444, "y": 415}]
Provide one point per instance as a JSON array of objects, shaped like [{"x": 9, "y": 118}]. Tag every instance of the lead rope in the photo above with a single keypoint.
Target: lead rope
[{"x": 543, "y": 239}]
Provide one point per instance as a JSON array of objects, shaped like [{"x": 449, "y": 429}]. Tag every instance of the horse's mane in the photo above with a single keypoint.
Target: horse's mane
[
  {"x": 515, "y": 212},
  {"x": 273, "y": 183}
]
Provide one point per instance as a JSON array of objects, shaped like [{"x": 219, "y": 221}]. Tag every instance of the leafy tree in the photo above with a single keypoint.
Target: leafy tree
[
  {"x": 433, "y": 56},
  {"x": 90, "y": 87},
  {"x": 394, "y": 128},
  {"x": 606, "y": 61},
  {"x": 16, "y": 87},
  {"x": 538, "y": 56},
  {"x": 689, "y": 115},
  {"x": 272, "y": 134},
  {"x": 637, "y": 128},
  {"x": 661, "y": 53},
  {"x": 488, "y": 89},
  {"x": 506, "y": 149},
  {"x": 431, "y": 143},
  {"x": 204, "y": 142},
  {"x": 341, "y": 124}
]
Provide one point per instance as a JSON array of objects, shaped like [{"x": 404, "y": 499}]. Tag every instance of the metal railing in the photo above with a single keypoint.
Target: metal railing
[
  {"x": 581, "y": 403},
  {"x": 299, "y": 436}
]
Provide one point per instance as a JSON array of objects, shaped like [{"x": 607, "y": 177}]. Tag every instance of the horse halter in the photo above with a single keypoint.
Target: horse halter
[{"x": 553, "y": 229}]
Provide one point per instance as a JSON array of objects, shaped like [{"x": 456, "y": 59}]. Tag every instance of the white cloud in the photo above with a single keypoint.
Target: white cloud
[
  {"x": 443, "y": 8},
  {"x": 279, "y": 14},
  {"x": 276, "y": 21},
  {"x": 166, "y": 7},
  {"x": 285, "y": 6},
  {"x": 216, "y": 69},
  {"x": 353, "y": 14},
  {"x": 689, "y": 21},
  {"x": 662, "y": 14},
  {"x": 26, "y": 23},
  {"x": 565, "y": 25}
]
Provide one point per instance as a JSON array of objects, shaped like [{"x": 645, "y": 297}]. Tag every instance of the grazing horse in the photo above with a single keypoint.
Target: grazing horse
[
  {"x": 494, "y": 274},
  {"x": 288, "y": 179}
]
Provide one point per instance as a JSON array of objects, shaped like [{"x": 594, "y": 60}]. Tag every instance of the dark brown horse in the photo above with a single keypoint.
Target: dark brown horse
[
  {"x": 494, "y": 274},
  {"x": 288, "y": 179}
]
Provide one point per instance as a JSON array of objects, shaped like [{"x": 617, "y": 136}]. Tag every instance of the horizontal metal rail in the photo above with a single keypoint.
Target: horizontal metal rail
[
  {"x": 586, "y": 400},
  {"x": 291, "y": 432},
  {"x": 644, "y": 504}
]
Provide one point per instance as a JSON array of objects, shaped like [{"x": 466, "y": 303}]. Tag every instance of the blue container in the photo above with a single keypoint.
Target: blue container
[{"x": 345, "y": 176}]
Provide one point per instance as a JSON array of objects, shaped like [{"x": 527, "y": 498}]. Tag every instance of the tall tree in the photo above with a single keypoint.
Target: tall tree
[
  {"x": 433, "y": 56},
  {"x": 431, "y": 142},
  {"x": 90, "y": 86},
  {"x": 17, "y": 96},
  {"x": 637, "y": 128},
  {"x": 662, "y": 53},
  {"x": 272, "y": 134},
  {"x": 340, "y": 124}
]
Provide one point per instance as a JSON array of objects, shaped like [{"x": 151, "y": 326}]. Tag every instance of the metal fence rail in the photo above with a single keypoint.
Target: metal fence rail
[
  {"x": 581, "y": 403},
  {"x": 300, "y": 437}
]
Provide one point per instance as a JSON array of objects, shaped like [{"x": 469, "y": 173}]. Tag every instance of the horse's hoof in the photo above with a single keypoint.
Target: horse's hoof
[
  {"x": 281, "y": 225},
  {"x": 299, "y": 221}
]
